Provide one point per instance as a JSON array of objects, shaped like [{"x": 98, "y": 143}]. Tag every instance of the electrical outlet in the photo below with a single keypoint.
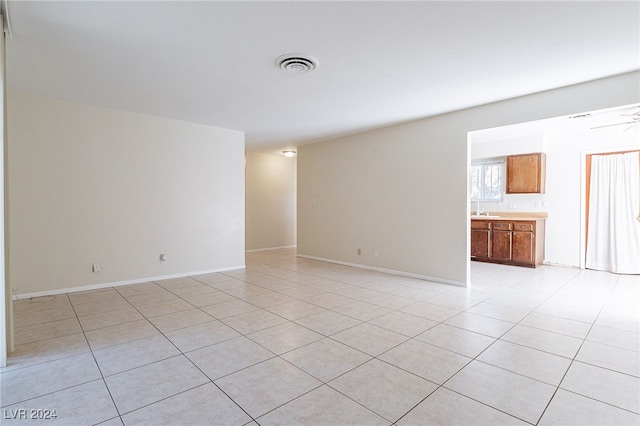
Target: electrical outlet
[
  {"x": 376, "y": 253},
  {"x": 163, "y": 258},
  {"x": 96, "y": 267},
  {"x": 359, "y": 252}
]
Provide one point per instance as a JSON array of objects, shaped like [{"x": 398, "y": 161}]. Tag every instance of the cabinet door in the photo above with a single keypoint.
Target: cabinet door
[
  {"x": 526, "y": 173},
  {"x": 480, "y": 242},
  {"x": 501, "y": 245},
  {"x": 522, "y": 247}
]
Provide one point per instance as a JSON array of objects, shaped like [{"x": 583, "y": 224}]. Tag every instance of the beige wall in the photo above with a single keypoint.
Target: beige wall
[
  {"x": 90, "y": 184},
  {"x": 403, "y": 190},
  {"x": 270, "y": 201}
]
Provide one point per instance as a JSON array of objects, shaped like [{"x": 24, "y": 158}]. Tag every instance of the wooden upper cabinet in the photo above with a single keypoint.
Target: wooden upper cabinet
[{"x": 526, "y": 173}]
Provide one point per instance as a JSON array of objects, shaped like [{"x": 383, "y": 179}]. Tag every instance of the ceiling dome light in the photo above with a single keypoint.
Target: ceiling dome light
[
  {"x": 297, "y": 63},
  {"x": 289, "y": 154}
]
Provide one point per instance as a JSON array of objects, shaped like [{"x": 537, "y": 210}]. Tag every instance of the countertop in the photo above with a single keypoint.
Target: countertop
[{"x": 513, "y": 216}]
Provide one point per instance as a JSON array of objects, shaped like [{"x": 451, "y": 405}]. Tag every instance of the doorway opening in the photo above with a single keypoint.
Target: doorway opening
[
  {"x": 565, "y": 140},
  {"x": 612, "y": 211}
]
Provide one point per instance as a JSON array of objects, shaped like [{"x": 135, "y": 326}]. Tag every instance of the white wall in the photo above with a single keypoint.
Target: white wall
[
  {"x": 563, "y": 195},
  {"x": 270, "y": 201},
  {"x": 403, "y": 190},
  {"x": 90, "y": 184},
  {"x": 510, "y": 146}
]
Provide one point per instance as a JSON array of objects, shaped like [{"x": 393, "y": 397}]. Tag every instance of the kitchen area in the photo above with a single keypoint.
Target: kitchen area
[
  {"x": 512, "y": 238},
  {"x": 528, "y": 186}
]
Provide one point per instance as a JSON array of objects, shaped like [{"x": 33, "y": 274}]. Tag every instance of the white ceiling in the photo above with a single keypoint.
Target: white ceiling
[
  {"x": 620, "y": 119},
  {"x": 381, "y": 63}
]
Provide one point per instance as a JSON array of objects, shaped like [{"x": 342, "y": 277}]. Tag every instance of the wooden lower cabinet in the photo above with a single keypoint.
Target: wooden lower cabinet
[
  {"x": 480, "y": 235},
  {"x": 501, "y": 245},
  {"x": 512, "y": 242},
  {"x": 522, "y": 247}
]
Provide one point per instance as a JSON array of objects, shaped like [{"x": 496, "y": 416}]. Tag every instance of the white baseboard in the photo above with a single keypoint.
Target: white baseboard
[
  {"x": 269, "y": 248},
  {"x": 561, "y": 265},
  {"x": 387, "y": 271},
  {"x": 121, "y": 283}
]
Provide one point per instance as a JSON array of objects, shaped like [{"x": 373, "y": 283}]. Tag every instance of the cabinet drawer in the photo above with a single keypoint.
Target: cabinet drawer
[
  {"x": 502, "y": 226},
  {"x": 524, "y": 226},
  {"x": 480, "y": 224}
]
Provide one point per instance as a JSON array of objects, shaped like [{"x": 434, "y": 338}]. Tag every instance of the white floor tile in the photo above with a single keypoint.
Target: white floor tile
[
  {"x": 543, "y": 340},
  {"x": 430, "y": 311},
  {"x": 373, "y": 382},
  {"x": 121, "y": 333},
  {"x": 610, "y": 357},
  {"x": 610, "y": 387},
  {"x": 568, "y": 408},
  {"x": 457, "y": 340},
  {"x": 266, "y": 386},
  {"x": 369, "y": 339},
  {"x": 145, "y": 385},
  {"x": 31, "y": 382},
  {"x": 427, "y": 361},
  {"x": 228, "y": 357},
  {"x": 250, "y": 322},
  {"x": 445, "y": 407},
  {"x": 509, "y": 392},
  {"x": 504, "y": 313},
  {"x": 137, "y": 353},
  {"x": 615, "y": 337},
  {"x": 193, "y": 407},
  {"x": 326, "y": 359},
  {"x": 543, "y": 366},
  {"x": 558, "y": 325},
  {"x": 405, "y": 324},
  {"x": 284, "y": 337},
  {"x": 480, "y": 324},
  {"x": 84, "y": 404},
  {"x": 46, "y": 350},
  {"x": 322, "y": 406},
  {"x": 328, "y": 322},
  {"x": 201, "y": 335}
]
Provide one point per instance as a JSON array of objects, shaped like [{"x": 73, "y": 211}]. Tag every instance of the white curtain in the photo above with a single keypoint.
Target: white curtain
[{"x": 613, "y": 240}]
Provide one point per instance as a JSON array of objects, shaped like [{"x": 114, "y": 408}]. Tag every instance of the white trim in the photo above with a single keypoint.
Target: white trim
[
  {"x": 269, "y": 248},
  {"x": 560, "y": 265},
  {"x": 385, "y": 270},
  {"x": 121, "y": 283},
  {"x": 468, "y": 216},
  {"x": 5, "y": 304},
  {"x": 6, "y": 312}
]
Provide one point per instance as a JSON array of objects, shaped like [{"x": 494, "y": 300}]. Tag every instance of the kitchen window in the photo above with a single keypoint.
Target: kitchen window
[{"x": 487, "y": 181}]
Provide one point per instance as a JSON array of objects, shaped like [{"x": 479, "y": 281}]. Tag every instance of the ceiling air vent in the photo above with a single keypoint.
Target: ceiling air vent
[{"x": 297, "y": 63}]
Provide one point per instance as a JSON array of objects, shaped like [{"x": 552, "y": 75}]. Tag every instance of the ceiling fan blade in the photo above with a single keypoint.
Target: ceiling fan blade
[{"x": 615, "y": 124}]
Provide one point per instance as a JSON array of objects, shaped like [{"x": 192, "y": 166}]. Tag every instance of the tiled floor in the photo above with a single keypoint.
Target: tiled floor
[{"x": 294, "y": 341}]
